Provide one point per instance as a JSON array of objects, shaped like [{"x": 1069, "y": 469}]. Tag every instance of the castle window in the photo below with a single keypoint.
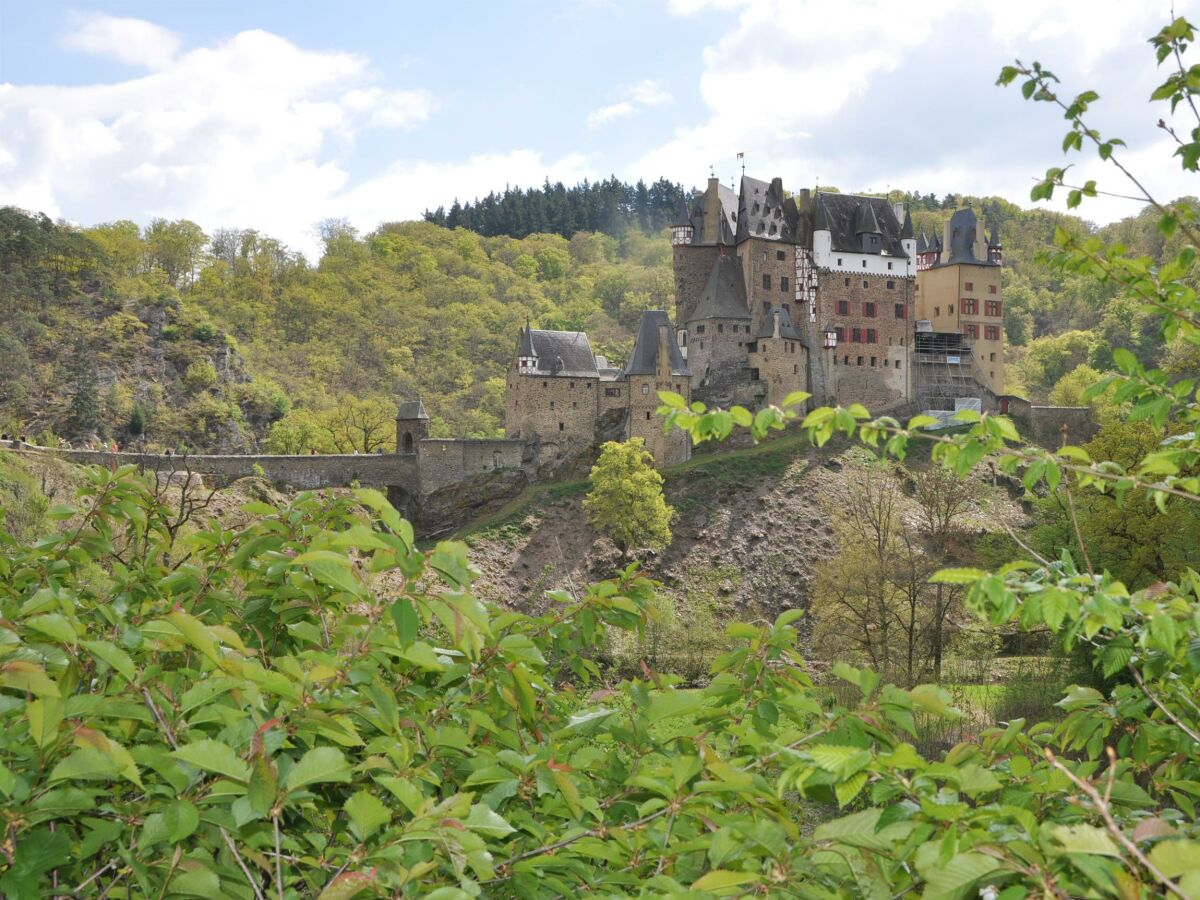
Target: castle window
[
  {"x": 856, "y": 336},
  {"x": 612, "y": 392},
  {"x": 574, "y": 405},
  {"x": 839, "y": 260},
  {"x": 992, "y": 357},
  {"x": 900, "y": 311},
  {"x": 647, "y": 415},
  {"x": 864, "y": 282},
  {"x": 969, "y": 286},
  {"x": 779, "y": 254},
  {"x": 860, "y": 360},
  {"x": 835, "y": 360},
  {"x": 764, "y": 256},
  {"x": 937, "y": 311},
  {"x": 869, "y": 310},
  {"x": 783, "y": 283},
  {"x": 702, "y": 345},
  {"x": 901, "y": 342},
  {"x": 699, "y": 329},
  {"x": 891, "y": 285},
  {"x": 843, "y": 307},
  {"x": 841, "y": 335},
  {"x": 589, "y": 385},
  {"x": 971, "y": 331},
  {"x": 561, "y": 426},
  {"x": 864, "y": 266},
  {"x": 897, "y": 364},
  {"x": 739, "y": 343},
  {"x": 969, "y": 307},
  {"x": 572, "y": 385},
  {"x": 552, "y": 404},
  {"x": 991, "y": 289},
  {"x": 645, "y": 389},
  {"x": 720, "y": 328},
  {"x": 991, "y": 332},
  {"x": 766, "y": 282},
  {"x": 950, "y": 309},
  {"x": 845, "y": 360},
  {"x": 847, "y": 282},
  {"x": 889, "y": 266},
  {"x": 991, "y": 307},
  {"x": 872, "y": 362},
  {"x": 754, "y": 374},
  {"x": 871, "y": 336},
  {"x": 796, "y": 369},
  {"x": 545, "y": 384}
]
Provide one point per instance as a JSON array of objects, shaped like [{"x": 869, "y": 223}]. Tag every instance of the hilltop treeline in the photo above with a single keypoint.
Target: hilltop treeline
[
  {"x": 610, "y": 206},
  {"x": 232, "y": 341}
]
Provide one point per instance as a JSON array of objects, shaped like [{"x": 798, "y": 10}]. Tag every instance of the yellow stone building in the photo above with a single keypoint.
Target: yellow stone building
[{"x": 959, "y": 290}]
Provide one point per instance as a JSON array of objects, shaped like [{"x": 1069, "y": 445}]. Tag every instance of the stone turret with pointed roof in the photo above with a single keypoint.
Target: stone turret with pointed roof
[
  {"x": 412, "y": 425},
  {"x": 906, "y": 230}
]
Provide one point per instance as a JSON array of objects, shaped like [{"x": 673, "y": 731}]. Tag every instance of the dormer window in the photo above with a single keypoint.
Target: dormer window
[{"x": 872, "y": 242}]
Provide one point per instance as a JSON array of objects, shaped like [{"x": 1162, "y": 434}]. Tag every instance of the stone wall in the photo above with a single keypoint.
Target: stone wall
[
  {"x": 644, "y": 421},
  {"x": 1043, "y": 424},
  {"x": 873, "y": 374},
  {"x": 448, "y": 461},
  {"x": 554, "y": 415},
  {"x": 692, "y": 267},
  {"x": 782, "y": 366},
  {"x": 777, "y": 261},
  {"x": 302, "y": 472},
  {"x": 717, "y": 357}
]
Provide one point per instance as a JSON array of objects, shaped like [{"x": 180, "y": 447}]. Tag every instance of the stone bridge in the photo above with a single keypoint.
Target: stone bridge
[{"x": 438, "y": 484}]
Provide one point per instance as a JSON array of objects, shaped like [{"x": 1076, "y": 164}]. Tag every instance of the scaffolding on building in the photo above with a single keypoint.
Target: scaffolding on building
[{"x": 945, "y": 371}]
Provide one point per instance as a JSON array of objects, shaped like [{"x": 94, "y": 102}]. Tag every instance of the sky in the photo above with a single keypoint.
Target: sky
[{"x": 276, "y": 115}]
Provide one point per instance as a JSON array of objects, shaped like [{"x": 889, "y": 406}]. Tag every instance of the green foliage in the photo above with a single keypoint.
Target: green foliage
[
  {"x": 1069, "y": 390},
  {"x": 626, "y": 498}
]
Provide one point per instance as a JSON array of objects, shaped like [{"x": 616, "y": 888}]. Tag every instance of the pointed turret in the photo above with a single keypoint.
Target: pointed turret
[
  {"x": 922, "y": 243},
  {"x": 906, "y": 230},
  {"x": 865, "y": 220}
]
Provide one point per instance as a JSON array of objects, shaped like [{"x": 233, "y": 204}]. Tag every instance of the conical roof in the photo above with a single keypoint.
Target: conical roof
[
  {"x": 922, "y": 243},
  {"x": 724, "y": 295},
  {"x": 412, "y": 409},
  {"x": 906, "y": 230},
  {"x": 865, "y": 220},
  {"x": 644, "y": 358},
  {"x": 683, "y": 219},
  {"x": 994, "y": 241}
]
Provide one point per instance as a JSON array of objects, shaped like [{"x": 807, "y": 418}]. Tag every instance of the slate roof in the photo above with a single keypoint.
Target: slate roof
[
  {"x": 412, "y": 409},
  {"x": 865, "y": 220},
  {"x": 963, "y": 227},
  {"x": 565, "y": 353},
  {"x": 994, "y": 240},
  {"x": 724, "y": 296},
  {"x": 644, "y": 358},
  {"x": 786, "y": 328},
  {"x": 840, "y": 215},
  {"x": 922, "y": 243},
  {"x": 761, "y": 212},
  {"x": 727, "y": 202},
  {"x": 906, "y": 229},
  {"x": 682, "y": 216}
]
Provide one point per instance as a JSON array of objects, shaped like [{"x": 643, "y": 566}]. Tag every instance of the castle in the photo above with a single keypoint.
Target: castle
[{"x": 819, "y": 291}]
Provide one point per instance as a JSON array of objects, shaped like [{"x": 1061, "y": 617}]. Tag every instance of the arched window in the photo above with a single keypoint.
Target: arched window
[{"x": 408, "y": 442}]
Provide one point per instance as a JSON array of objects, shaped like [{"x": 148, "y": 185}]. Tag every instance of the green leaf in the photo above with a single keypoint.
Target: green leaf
[
  {"x": 849, "y": 789},
  {"x": 956, "y": 879},
  {"x": 321, "y": 764},
  {"x": 214, "y": 756},
  {"x": 117, "y": 658},
  {"x": 957, "y": 576},
  {"x": 194, "y": 880},
  {"x": 1086, "y": 839},
  {"x": 54, "y": 625},
  {"x": 336, "y": 575},
  {"x": 668, "y": 704},
  {"x": 484, "y": 820},
  {"x": 348, "y": 885},
  {"x": 1176, "y": 857},
  {"x": 367, "y": 813},
  {"x": 408, "y": 624},
  {"x": 23, "y": 675},
  {"x": 421, "y": 654},
  {"x": 718, "y": 879},
  {"x": 45, "y": 716}
]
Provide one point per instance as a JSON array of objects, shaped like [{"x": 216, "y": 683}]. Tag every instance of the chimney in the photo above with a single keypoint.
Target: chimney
[
  {"x": 664, "y": 352},
  {"x": 777, "y": 315},
  {"x": 777, "y": 187},
  {"x": 898, "y": 209}
]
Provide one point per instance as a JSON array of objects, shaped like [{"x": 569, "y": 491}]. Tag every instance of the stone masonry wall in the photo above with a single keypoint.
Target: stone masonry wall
[
  {"x": 448, "y": 461},
  {"x": 692, "y": 267},
  {"x": 782, "y": 366},
  {"x": 854, "y": 378},
  {"x": 303, "y": 472},
  {"x": 555, "y": 415},
  {"x": 777, "y": 261},
  {"x": 717, "y": 357},
  {"x": 1043, "y": 424},
  {"x": 644, "y": 421}
]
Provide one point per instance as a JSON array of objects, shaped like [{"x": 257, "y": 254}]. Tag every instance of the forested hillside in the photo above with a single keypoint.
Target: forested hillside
[{"x": 232, "y": 341}]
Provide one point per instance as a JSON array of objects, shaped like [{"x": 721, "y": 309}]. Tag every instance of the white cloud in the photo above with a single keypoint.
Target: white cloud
[
  {"x": 644, "y": 94},
  {"x": 863, "y": 95},
  {"x": 252, "y": 131},
  {"x": 133, "y": 41}
]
